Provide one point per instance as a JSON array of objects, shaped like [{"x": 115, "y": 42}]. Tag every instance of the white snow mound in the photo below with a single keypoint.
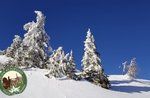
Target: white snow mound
[
  {"x": 4, "y": 59},
  {"x": 39, "y": 86}
]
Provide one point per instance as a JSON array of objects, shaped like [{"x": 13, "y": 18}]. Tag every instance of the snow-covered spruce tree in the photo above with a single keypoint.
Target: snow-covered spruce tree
[
  {"x": 35, "y": 43},
  {"x": 56, "y": 64},
  {"x": 60, "y": 65},
  {"x": 91, "y": 62},
  {"x": 70, "y": 66},
  {"x": 132, "y": 69},
  {"x": 12, "y": 51}
]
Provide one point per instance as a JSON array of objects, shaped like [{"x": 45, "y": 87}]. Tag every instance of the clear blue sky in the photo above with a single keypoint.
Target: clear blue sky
[{"x": 121, "y": 28}]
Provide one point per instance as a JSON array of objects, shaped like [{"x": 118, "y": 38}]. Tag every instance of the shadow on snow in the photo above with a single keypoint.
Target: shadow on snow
[{"x": 128, "y": 88}]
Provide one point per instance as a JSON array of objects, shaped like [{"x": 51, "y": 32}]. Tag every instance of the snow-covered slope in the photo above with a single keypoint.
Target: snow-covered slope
[
  {"x": 4, "y": 59},
  {"x": 39, "y": 86}
]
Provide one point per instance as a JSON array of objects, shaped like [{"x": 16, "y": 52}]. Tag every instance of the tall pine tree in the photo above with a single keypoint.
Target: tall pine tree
[
  {"x": 91, "y": 62},
  {"x": 35, "y": 43}
]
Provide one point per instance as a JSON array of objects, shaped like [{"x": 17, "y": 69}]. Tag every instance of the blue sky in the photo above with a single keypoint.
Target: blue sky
[{"x": 121, "y": 28}]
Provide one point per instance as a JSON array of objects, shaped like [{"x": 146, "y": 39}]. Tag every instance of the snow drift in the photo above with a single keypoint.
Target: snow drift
[
  {"x": 4, "y": 59},
  {"x": 39, "y": 86}
]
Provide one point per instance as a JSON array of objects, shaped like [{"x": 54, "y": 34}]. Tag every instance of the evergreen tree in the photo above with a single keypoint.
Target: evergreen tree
[
  {"x": 132, "y": 69},
  {"x": 70, "y": 66},
  {"x": 56, "y": 64},
  {"x": 60, "y": 65},
  {"x": 35, "y": 43},
  {"x": 91, "y": 62},
  {"x": 12, "y": 51}
]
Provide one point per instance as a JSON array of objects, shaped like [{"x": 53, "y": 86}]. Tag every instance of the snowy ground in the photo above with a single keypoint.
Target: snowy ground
[
  {"x": 39, "y": 86},
  {"x": 4, "y": 59}
]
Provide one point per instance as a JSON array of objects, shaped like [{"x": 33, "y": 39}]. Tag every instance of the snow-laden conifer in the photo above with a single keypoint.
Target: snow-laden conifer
[
  {"x": 70, "y": 66},
  {"x": 91, "y": 62},
  {"x": 56, "y": 63},
  {"x": 35, "y": 43},
  {"x": 13, "y": 50}
]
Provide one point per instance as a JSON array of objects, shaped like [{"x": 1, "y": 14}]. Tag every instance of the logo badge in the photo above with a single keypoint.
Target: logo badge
[{"x": 12, "y": 81}]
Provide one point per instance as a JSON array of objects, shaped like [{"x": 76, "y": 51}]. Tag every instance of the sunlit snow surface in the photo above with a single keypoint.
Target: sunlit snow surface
[
  {"x": 39, "y": 86},
  {"x": 4, "y": 59}
]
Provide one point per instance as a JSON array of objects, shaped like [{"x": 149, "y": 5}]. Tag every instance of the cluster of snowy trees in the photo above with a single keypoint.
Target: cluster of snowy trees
[
  {"x": 60, "y": 65},
  {"x": 33, "y": 50},
  {"x": 130, "y": 69}
]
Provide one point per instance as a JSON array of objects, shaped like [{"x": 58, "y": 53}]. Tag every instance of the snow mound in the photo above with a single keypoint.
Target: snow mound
[
  {"x": 4, "y": 60},
  {"x": 39, "y": 86}
]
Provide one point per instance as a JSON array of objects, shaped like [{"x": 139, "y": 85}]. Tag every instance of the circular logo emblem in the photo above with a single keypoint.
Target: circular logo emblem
[{"x": 12, "y": 81}]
